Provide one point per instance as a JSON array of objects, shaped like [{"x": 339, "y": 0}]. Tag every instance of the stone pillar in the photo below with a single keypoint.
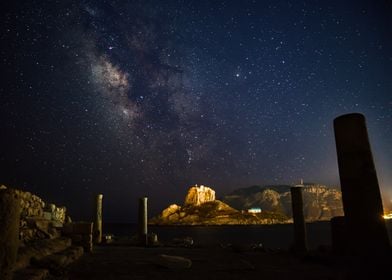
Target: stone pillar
[
  {"x": 9, "y": 232},
  {"x": 143, "y": 220},
  {"x": 98, "y": 219},
  {"x": 362, "y": 204},
  {"x": 300, "y": 244}
]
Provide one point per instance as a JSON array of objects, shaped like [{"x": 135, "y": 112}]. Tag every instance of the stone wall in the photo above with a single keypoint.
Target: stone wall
[
  {"x": 38, "y": 220},
  {"x": 39, "y": 238}
]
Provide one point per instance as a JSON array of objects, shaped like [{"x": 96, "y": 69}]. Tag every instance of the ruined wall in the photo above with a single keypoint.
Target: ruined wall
[
  {"x": 198, "y": 195},
  {"x": 38, "y": 220}
]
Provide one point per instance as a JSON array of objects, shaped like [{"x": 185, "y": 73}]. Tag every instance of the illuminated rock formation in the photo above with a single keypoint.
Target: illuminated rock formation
[
  {"x": 170, "y": 210},
  {"x": 201, "y": 208},
  {"x": 198, "y": 195}
]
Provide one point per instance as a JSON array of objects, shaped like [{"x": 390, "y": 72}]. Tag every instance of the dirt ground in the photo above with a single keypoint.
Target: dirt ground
[{"x": 126, "y": 262}]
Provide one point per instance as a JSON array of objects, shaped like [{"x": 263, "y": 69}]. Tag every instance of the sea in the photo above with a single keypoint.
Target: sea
[{"x": 278, "y": 236}]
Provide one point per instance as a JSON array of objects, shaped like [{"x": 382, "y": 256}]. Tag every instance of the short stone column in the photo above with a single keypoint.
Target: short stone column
[
  {"x": 362, "y": 204},
  {"x": 9, "y": 232},
  {"x": 143, "y": 221},
  {"x": 300, "y": 244},
  {"x": 98, "y": 219}
]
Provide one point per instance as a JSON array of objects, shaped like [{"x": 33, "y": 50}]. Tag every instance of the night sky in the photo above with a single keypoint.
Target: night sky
[{"x": 133, "y": 98}]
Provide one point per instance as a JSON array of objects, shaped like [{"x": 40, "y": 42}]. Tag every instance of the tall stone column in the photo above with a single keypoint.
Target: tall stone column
[
  {"x": 362, "y": 204},
  {"x": 338, "y": 235},
  {"x": 98, "y": 219},
  {"x": 9, "y": 232},
  {"x": 300, "y": 244},
  {"x": 143, "y": 220}
]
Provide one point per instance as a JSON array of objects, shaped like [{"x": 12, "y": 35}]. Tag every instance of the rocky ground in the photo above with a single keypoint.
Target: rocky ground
[{"x": 238, "y": 262}]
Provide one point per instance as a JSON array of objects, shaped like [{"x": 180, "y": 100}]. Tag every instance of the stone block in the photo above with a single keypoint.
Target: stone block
[
  {"x": 173, "y": 262},
  {"x": 40, "y": 249},
  {"x": 56, "y": 224},
  {"x": 47, "y": 215}
]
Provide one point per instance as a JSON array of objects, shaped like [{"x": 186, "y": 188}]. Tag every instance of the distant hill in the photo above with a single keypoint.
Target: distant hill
[
  {"x": 256, "y": 188},
  {"x": 320, "y": 202}
]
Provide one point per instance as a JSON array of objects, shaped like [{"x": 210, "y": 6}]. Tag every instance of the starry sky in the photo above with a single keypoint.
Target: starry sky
[{"x": 133, "y": 98}]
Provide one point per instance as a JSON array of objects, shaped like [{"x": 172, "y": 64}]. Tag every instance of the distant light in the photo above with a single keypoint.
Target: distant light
[
  {"x": 254, "y": 210},
  {"x": 387, "y": 216}
]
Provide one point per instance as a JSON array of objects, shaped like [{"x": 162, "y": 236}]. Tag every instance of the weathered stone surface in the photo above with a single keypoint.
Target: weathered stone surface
[
  {"x": 35, "y": 216},
  {"x": 173, "y": 262},
  {"x": 43, "y": 225},
  {"x": 198, "y": 195},
  {"x": 171, "y": 210},
  {"x": 9, "y": 231},
  {"x": 143, "y": 221},
  {"x": 40, "y": 249},
  {"x": 38, "y": 226},
  {"x": 59, "y": 214},
  {"x": 58, "y": 261},
  {"x": 98, "y": 219},
  {"x": 47, "y": 215}
]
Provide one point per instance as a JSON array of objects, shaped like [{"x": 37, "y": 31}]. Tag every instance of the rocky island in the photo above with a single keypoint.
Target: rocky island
[
  {"x": 254, "y": 205},
  {"x": 321, "y": 203},
  {"x": 201, "y": 208}
]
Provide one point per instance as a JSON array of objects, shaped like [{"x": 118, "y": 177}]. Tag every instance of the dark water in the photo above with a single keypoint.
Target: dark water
[{"x": 271, "y": 236}]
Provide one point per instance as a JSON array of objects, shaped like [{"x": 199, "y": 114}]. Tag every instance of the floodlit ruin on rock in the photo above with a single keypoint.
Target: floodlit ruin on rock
[{"x": 198, "y": 195}]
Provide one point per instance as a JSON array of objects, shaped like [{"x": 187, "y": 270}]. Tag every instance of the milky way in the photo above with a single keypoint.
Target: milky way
[{"x": 133, "y": 98}]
